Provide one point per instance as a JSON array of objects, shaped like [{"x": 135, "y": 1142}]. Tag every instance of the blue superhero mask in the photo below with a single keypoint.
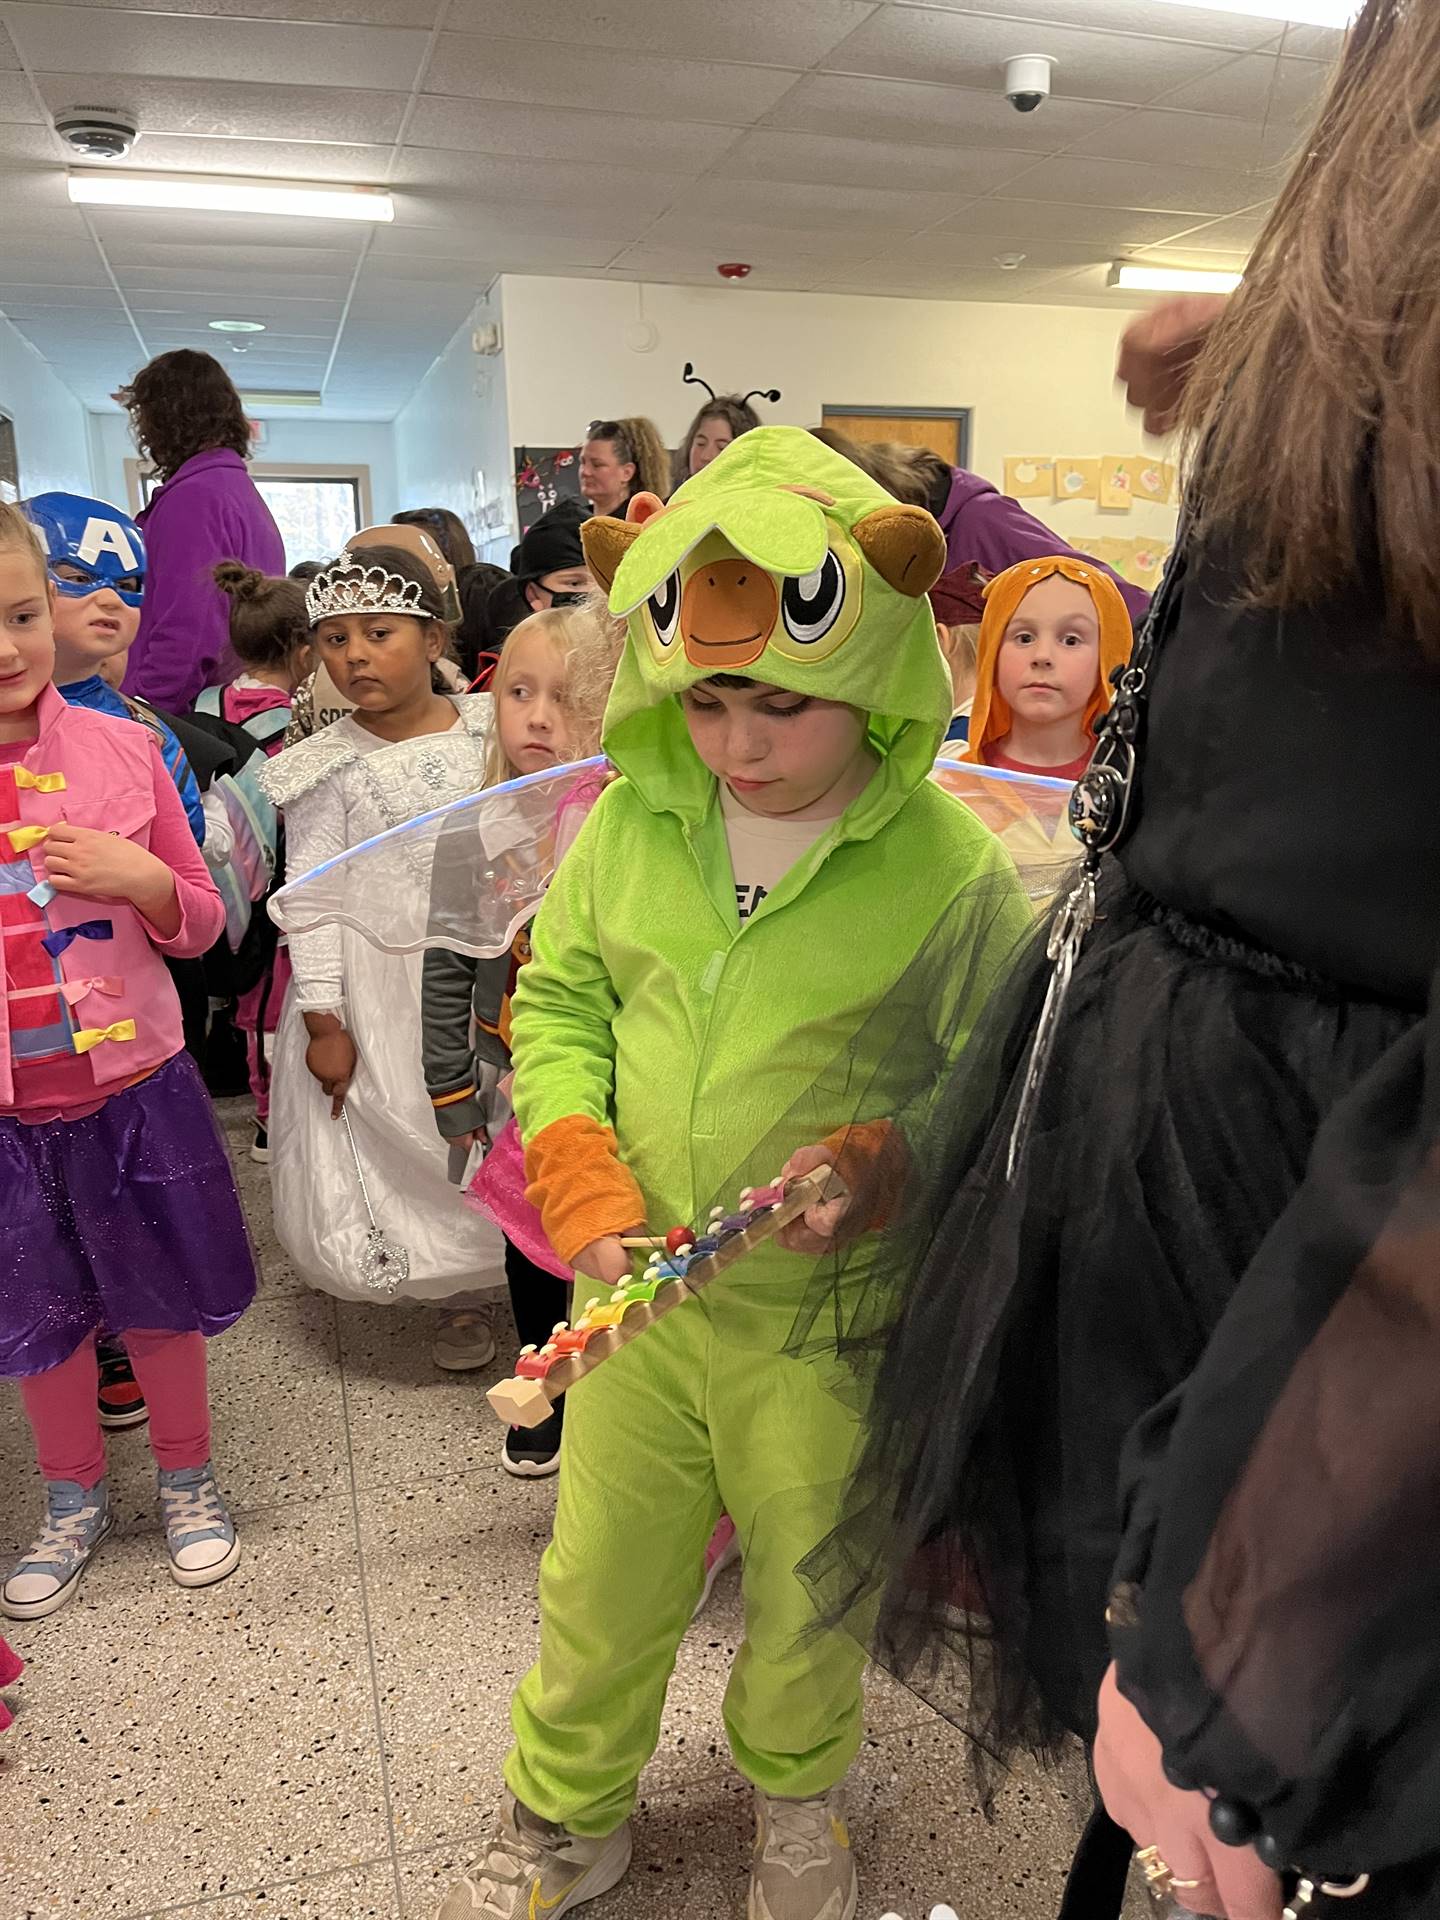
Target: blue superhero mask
[{"x": 88, "y": 545}]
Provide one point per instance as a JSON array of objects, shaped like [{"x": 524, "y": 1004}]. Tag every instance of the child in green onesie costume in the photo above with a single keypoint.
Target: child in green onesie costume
[{"x": 733, "y": 912}]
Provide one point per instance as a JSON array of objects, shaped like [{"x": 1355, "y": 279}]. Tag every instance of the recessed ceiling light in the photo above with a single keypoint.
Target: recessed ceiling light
[
  {"x": 237, "y": 326},
  {"x": 1131, "y": 277},
  {"x": 1300, "y": 13},
  {"x": 1009, "y": 261},
  {"x": 213, "y": 193}
]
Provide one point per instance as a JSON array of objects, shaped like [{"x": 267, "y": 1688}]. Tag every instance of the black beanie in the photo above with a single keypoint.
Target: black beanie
[{"x": 552, "y": 544}]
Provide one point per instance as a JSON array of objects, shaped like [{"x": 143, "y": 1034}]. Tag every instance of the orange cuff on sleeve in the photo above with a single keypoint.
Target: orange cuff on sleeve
[
  {"x": 870, "y": 1158},
  {"x": 584, "y": 1192}
]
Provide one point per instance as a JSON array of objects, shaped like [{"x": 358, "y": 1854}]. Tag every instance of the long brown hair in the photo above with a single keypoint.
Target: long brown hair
[
  {"x": 446, "y": 528},
  {"x": 183, "y": 403},
  {"x": 1315, "y": 409},
  {"x": 914, "y": 475},
  {"x": 737, "y": 414},
  {"x": 637, "y": 443}
]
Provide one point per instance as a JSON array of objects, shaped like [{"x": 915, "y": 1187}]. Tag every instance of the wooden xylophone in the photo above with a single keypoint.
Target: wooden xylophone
[{"x": 681, "y": 1264}]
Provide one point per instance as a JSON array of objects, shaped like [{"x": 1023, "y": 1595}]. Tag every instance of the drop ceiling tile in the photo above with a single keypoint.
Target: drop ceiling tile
[
  {"x": 152, "y": 285},
  {"x": 909, "y": 282},
  {"x": 753, "y": 31},
  {"x": 820, "y": 159},
  {"x": 1158, "y": 134},
  {"x": 940, "y": 248},
  {"x": 133, "y": 255},
  {"x": 1016, "y": 221},
  {"x": 551, "y": 133},
  {"x": 273, "y": 159},
  {"x": 233, "y": 108},
  {"x": 1325, "y": 44},
  {"x": 969, "y": 50},
  {"x": 97, "y": 40},
  {"x": 1201, "y": 24},
  {"x": 1258, "y": 86},
  {"x": 24, "y": 296},
  {"x": 394, "y": 276},
  {"x": 26, "y": 146},
  {"x": 872, "y": 109},
  {"x": 512, "y": 186},
  {"x": 786, "y": 204},
  {"x": 688, "y": 251},
  {"x": 1073, "y": 179},
  {"x": 563, "y": 76},
  {"x": 378, "y": 13},
  {"x": 33, "y": 262},
  {"x": 17, "y": 98},
  {"x": 37, "y": 195},
  {"x": 1239, "y": 232},
  {"x": 566, "y": 239}
]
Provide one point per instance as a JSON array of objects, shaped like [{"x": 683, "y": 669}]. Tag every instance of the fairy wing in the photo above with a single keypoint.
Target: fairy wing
[{"x": 465, "y": 876}]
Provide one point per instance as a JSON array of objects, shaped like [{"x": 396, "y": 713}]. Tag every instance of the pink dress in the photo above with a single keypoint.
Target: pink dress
[{"x": 498, "y": 1188}]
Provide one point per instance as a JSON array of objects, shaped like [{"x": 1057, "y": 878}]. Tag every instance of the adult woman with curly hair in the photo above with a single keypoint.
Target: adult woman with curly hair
[{"x": 188, "y": 421}]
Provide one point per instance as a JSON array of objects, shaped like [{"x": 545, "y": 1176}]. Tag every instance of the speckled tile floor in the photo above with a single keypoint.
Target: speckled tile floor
[{"x": 319, "y": 1738}]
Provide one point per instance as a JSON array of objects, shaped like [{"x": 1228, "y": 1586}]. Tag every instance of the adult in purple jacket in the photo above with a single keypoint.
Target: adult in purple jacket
[
  {"x": 188, "y": 420},
  {"x": 983, "y": 527}
]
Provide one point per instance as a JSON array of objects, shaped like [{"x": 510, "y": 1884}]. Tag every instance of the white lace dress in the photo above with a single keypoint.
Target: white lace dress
[{"x": 337, "y": 788}]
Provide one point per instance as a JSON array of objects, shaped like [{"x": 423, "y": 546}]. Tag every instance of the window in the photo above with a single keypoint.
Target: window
[{"x": 316, "y": 508}]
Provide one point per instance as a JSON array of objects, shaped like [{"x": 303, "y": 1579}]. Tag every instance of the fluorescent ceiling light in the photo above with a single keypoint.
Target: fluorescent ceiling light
[
  {"x": 1131, "y": 277},
  {"x": 1300, "y": 13},
  {"x": 213, "y": 193},
  {"x": 280, "y": 397}
]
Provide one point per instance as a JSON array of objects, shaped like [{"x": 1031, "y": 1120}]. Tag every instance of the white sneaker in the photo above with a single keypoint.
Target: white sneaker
[
  {"x": 803, "y": 1867},
  {"x": 465, "y": 1340},
  {"x": 536, "y": 1868}
]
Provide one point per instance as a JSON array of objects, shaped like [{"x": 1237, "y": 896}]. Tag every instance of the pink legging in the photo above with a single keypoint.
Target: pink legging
[{"x": 170, "y": 1368}]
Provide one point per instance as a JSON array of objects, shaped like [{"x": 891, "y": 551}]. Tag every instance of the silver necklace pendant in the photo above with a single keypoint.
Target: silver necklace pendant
[{"x": 1072, "y": 923}]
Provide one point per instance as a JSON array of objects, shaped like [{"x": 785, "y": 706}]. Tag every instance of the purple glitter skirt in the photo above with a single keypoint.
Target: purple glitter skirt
[{"x": 129, "y": 1218}]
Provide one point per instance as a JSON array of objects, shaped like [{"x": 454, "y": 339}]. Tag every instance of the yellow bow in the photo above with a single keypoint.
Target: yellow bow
[
  {"x": 89, "y": 1037},
  {"x": 39, "y": 782},
  {"x": 22, "y": 837}
]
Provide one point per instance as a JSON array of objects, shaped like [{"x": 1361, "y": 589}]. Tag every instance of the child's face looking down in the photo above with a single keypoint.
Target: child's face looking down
[
  {"x": 778, "y": 752},
  {"x": 90, "y": 630},
  {"x": 381, "y": 660},
  {"x": 1048, "y": 665},
  {"x": 27, "y": 645},
  {"x": 533, "y": 716}
]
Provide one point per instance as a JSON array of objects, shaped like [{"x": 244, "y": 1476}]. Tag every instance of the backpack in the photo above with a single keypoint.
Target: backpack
[{"x": 233, "y": 971}]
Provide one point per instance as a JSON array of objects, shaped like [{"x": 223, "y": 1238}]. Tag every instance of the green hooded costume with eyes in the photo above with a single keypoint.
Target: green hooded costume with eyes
[{"x": 666, "y": 1055}]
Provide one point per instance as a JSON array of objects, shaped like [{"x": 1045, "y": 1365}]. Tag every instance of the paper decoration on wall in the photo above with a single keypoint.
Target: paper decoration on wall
[
  {"x": 1077, "y": 479},
  {"x": 1150, "y": 479},
  {"x": 1146, "y": 564},
  {"x": 1030, "y": 479},
  {"x": 544, "y": 475},
  {"x": 1116, "y": 492}
]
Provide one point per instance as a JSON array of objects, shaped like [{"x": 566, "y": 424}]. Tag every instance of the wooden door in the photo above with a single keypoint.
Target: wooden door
[{"x": 941, "y": 435}]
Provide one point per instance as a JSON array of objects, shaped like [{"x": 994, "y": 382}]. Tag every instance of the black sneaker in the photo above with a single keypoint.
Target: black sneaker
[
  {"x": 260, "y": 1146},
  {"x": 533, "y": 1453},
  {"x": 120, "y": 1401}
]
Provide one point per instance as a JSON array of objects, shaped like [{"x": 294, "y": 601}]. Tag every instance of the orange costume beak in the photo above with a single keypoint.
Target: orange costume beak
[{"x": 727, "y": 612}]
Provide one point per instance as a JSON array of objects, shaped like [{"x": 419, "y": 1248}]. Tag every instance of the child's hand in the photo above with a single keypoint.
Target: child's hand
[
  {"x": 331, "y": 1058},
  {"x": 814, "y": 1230},
  {"x": 606, "y": 1261},
  {"x": 106, "y": 866}
]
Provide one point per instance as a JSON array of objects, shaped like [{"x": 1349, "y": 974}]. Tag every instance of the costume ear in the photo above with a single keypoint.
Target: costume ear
[
  {"x": 606, "y": 541},
  {"x": 904, "y": 545},
  {"x": 643, "y": 507}
]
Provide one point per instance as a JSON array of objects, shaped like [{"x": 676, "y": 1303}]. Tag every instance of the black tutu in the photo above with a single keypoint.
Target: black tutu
[{"x": 1018, "y": 1335}]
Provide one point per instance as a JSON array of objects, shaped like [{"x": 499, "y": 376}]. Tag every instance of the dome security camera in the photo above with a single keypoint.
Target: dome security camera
[
  {"x": 1027, "y": 80},
  {"x": 97, "y": 133}
]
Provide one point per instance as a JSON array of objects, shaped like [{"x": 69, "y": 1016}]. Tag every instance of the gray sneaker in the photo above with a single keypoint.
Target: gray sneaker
[
  {"x": 199, "y": 1532},
  {"x": 803, "y": 1867},
  {"x": 77, "y": 1519},
  {"x": 536, "y": 1868}
]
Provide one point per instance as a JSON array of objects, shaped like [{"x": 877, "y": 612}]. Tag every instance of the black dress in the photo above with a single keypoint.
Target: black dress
[{"x": 1187, "y": 1359}]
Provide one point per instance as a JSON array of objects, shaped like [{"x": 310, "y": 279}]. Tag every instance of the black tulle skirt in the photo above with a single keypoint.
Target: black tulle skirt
[{"x": 1023, "y": 1338}]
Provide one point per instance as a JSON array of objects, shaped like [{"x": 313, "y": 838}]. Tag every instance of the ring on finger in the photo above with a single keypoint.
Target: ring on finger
[{"x": 1159, "y": 1875}]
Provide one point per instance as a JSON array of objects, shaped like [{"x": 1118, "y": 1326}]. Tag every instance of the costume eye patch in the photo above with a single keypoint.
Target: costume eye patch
[
  {"x": 811, "y": 603},
  {"x": 664, "y": 609}
]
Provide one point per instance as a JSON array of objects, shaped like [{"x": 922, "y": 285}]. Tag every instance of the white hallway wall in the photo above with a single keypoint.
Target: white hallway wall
[
  {"x": 338, "y": 443},
  {"x": 457, "y": 428},
  {"x": 1040, "y": 380},
  {"x": 50, "y": 423}
]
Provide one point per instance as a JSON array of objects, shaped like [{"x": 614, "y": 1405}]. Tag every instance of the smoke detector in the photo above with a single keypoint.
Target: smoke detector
[{"x": 97, "y": 133}]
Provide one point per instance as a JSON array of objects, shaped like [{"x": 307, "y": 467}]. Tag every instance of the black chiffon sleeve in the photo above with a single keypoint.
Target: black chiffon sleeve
[{"x": 1276, "y": 1617}]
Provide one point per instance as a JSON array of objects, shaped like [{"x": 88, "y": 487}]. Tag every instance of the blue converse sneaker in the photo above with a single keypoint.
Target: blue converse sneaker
[
  {"x": 77, "y": 1519},
  {"x": 199, "y": 1532}
]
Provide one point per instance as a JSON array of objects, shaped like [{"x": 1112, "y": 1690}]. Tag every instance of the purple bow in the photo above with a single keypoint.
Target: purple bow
[{"x": 56, "y": 943}]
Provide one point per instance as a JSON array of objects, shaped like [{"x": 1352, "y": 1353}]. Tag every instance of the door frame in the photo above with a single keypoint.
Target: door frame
[{"x": 962, "y": 416}]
